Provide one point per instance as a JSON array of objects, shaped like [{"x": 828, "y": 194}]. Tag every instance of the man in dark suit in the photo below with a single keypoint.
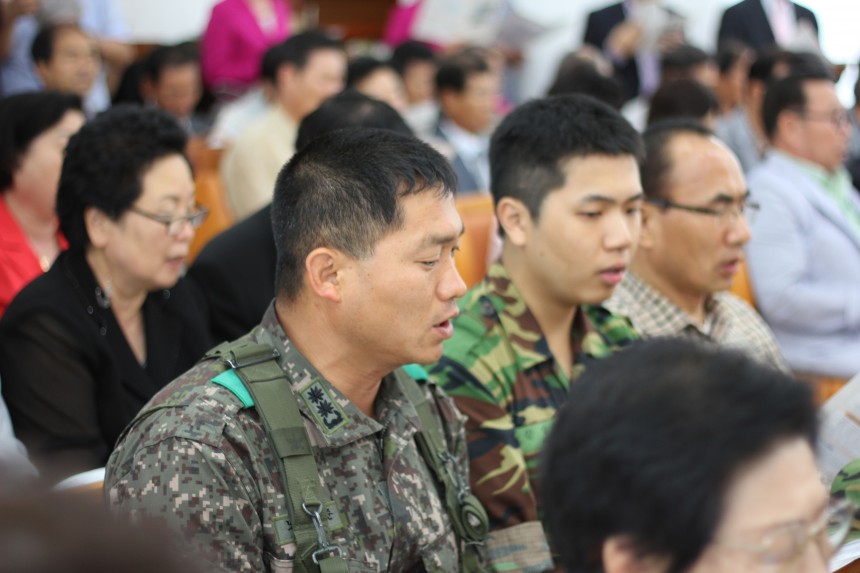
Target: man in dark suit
[
  {"x": 760, "y": 24},
  {"x": 620, "y": 34},
  {"x": 236, "y": 270}
]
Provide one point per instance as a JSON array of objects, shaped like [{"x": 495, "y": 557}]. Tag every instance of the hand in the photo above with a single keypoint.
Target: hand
[{"x": 624, "y": 39}]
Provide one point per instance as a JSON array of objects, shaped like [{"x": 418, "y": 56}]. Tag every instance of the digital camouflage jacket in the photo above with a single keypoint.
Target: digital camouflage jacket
[{"x": 199, "y": 459}]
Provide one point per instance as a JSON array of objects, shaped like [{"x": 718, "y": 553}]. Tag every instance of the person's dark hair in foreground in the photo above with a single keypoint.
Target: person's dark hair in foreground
[
  {"x": 73, "y": 533},
  {"x": 674, "y": 456}
]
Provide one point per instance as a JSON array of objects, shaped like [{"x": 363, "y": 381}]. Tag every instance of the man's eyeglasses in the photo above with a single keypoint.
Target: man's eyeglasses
[
  {"x": 788, "y": 542},
  {"x": 838, "y": 118},
  {"x": 175, "y": 224},
  {"x": 723, "y": 215}
]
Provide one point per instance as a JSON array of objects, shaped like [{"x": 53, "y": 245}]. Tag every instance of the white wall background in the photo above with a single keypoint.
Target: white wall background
[{"x": 167, "y": 21}]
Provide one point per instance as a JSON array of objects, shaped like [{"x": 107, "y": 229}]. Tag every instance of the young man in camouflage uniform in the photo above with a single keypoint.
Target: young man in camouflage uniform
[
  {"x": 366, "y": 227},
  {"x": 566, "y": 186}
]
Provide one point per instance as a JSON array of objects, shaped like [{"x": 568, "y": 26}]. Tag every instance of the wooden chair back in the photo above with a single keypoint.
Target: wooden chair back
[
  {"x": 478, "y": 217},
  {"x": 210, "y": 193}
]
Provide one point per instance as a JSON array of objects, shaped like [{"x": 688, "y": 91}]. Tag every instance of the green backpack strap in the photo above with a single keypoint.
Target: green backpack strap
[
  {"x": 468, "y": 517},
  {"x": 257, "y": 367}
]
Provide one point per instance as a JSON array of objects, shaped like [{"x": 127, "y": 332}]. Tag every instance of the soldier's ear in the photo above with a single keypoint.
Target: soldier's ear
[
  {"x": 515, "y": 219},
  {"x": 322, "y": 266}
]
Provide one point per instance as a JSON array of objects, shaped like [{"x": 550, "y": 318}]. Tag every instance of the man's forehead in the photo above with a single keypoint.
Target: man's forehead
[
  {"x": 593, "y": 162},
  {"x": 695, "y": 158}
]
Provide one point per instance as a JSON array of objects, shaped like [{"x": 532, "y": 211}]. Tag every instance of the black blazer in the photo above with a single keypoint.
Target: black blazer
[
  {"x": 600, "y": 23},
  {"x": 235, "y": 272},
  {"x": 747, "y": 22},
  {"x": 70, "y": 379}
]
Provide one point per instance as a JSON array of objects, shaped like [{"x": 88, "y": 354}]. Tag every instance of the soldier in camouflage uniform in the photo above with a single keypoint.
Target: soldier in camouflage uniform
[
  {"x": 365, "y": 226},
  {"x": 566, "y": 186}
]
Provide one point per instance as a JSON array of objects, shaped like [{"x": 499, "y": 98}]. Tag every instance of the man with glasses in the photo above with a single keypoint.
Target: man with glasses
[
  {"x": 694, "y": 227},
  {"x": 805, "y": 251},
  {"x": 698, "y": 460}
]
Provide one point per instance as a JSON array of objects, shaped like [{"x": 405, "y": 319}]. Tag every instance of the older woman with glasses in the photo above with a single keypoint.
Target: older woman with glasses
[{"x": 87, "y": 344}]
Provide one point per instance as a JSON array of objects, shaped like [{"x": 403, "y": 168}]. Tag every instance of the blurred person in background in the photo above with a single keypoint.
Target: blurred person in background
[
  {"x": 236, "y": 37},
  {"x": 34, "y": 130},
  {"x": 804, "y": 255},
  {"x": 85, "y": 345},
  {"x": 468, "y": 89},
  {"x": 416, "y": 63},
  {"x": 767, "y": 24},
  {"x": 171, "y": 81},
  {"x": 733, "y": 63},
  {"x": 377, "y": 79},
  {"x": 685, "y": 97},
  {"x": 680, "y": 62},
  {"x": 66, "y": 60},
  {"x": 304, "y": 70},
  {"x": 633, "y": 35},
  {"x": 100, "y": 19},
  {"x": 742, "y": 129}
]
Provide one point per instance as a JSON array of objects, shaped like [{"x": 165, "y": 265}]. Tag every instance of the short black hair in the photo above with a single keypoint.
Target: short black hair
[
  {"x": 650, "y": 441},
  {"x": 42, "y": 48},
  {"x": 582, "y": 77},
  {"x": 163, "y": 57},
  {"x": 343, "y": 189},
  {"x": 408, "y": 52},
  {"x": 363, "y": 66},
  {"x": 656, "y": 166},
  {"x": 295, "y": 50},
  {"x": 455, "y": 69},
  {"x": 684, "y": 97},
  {"x": 23, "y": 118},
  {"x": 349, "y": 108},
  {"x": 764, "y": 65},
  {"x": 788, "y": 94},
  {"x": 729, "y": 53},
  {"x": 681, "y": 60},
  {"x": 106, "y": 161},
  {"x": 530, "y": 145}
]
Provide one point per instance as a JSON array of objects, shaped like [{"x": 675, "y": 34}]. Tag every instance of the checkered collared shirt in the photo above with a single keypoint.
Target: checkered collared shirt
[{"x": 729, "y": 321}]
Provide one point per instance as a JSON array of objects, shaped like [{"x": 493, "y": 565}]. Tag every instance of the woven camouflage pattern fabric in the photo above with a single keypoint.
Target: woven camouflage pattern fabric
[
  {"x": 847, "y": 484},
  {"x": 199, "y": 460},
  {"x": 499, "y": 369}
]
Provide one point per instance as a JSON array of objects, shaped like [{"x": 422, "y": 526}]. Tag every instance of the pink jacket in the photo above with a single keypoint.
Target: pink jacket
[{"x": 233, "y": 44}]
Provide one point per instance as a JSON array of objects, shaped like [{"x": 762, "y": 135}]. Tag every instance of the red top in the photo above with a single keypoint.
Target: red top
[{"x": 18, "y": 263}]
